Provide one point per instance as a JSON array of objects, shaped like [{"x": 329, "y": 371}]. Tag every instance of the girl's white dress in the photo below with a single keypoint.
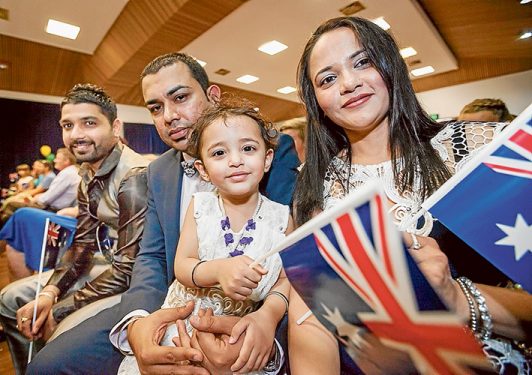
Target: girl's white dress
[{"x": 271, "y": 220}]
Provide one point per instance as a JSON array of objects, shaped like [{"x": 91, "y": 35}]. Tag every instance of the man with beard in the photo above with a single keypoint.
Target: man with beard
[
  {"x": 176, "y": 90},
  {"x": 112, "y": 195}
]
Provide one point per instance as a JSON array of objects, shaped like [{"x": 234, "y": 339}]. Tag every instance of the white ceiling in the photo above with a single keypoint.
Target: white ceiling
[
  {"x": 232, "y": 43},
  {"x": 28, "y": 20}
]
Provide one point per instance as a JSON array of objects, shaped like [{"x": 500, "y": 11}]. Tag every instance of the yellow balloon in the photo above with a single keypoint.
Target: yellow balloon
[{"x": 45, "y": 150}]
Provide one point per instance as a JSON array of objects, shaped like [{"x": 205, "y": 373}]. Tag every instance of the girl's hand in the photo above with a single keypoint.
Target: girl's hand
[
  {"x": 236, "y": 277},
  {"x": 258, "y": 342}
]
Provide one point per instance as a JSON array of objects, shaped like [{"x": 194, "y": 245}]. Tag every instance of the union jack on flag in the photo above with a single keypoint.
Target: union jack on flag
[
  {"x": 56, "y": 244},
  {"x": 488, "y": 204},
  {"x": 350, "y": 266}
]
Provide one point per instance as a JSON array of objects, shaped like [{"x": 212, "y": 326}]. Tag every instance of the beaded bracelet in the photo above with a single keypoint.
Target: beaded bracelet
[
  {"x": 193, "y": 271},
  {"x": 485, "y": 316},
  {"x": 280, "y": 295},
  {"x": 473, "y": 317}
]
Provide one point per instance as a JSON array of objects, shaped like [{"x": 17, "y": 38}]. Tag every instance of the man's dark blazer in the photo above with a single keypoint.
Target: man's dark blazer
[{"x": 154, "y": 265}]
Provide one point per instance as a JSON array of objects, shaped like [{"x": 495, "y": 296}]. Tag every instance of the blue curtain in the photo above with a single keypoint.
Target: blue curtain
[
  {"x": 26, "y": 126},
  {"x": 144, "y": 139}
]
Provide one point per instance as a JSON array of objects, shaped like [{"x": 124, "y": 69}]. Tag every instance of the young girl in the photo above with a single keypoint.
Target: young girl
[
  {"x": 225, "y": 230},
  {"x": 365, "y": 122}
]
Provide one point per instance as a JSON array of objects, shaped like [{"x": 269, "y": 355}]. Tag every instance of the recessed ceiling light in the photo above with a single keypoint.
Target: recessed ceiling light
[
  {"x": 59, "y": 28},
  {"x": 525, "y": 1},
  {"x": 381, "y": 23},
  {"x": 408, "y": 52},
  {"x": 247, "y": 79},
  {"x": 286, "y": 90},
  {"x": 273, "y": 47},
  {"x": 3, "y": 66},
  {"x": 525, "y": 34},
  {"x": 422, "y": 71}
]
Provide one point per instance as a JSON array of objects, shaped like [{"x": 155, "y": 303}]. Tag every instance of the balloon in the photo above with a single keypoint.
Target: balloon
[
  {"x": 50, "y": 157},
  {"x": 45, "y": 150}
]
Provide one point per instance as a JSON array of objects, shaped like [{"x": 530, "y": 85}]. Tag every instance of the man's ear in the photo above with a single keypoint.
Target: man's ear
[
  {"x": 268, "y": 161},
  {"x": 214, "y": 93},
  {"x": 117, "y": 127},
  {"x": 201, "y": 169}
]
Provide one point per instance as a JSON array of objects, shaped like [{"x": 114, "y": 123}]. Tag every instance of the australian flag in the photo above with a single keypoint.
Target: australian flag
[
  {"x": 56, "y": 243},
  {"x": 488, "y": 204},
  {"x": 350, "y": 266}
]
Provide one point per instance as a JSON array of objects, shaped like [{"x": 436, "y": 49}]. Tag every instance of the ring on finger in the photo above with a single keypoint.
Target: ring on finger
[
  {"x": 415, "y": 242},
  {"x": 24, "y": 319}
]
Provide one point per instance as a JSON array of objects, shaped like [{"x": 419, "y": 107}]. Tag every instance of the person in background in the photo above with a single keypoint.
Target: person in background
[
  {"x": 61, "y": 193},
  {"x": 296, "y": 129},
  {"x": 44, "y": 171},
  {"x": 487, "y": 110}
]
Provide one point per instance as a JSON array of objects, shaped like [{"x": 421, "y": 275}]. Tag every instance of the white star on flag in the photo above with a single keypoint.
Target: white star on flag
[
  {"x": 343, "y": 328},
  {"x": 519, "y": 236}
]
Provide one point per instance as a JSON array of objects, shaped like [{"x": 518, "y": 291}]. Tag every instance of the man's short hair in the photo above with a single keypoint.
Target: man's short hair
[
  {"x": 298, "y": 124},
  {"x": 163, "y": 61},
  {"x": 23, "y": 167},
  {"x": 89, "y": 93},
  {"x": 67, "y": 154},
  {"x": 495, "y": 106},
  {"x": 47, "y": 164}
]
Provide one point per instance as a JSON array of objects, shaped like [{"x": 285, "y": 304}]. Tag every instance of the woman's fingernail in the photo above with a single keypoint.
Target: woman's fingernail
[{"x": 232, "y": 340}]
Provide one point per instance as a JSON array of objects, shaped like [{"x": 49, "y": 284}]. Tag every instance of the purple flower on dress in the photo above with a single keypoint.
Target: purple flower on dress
[
  {"x": 228, "y": 238},
  {"x": 251, "y": 224},
  {"x": 236, "y": 253},
  {"x": 245, "y": 241},
  {"x": 225, "y": 224}
]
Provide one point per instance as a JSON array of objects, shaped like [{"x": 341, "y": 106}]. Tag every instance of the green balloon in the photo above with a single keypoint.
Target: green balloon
[{"x": 50, "y": 157}]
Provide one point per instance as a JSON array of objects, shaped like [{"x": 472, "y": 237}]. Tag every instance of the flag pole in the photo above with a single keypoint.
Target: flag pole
[{"x": 39, "y": 279}]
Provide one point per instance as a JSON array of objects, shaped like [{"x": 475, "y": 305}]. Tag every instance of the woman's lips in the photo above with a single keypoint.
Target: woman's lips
[{"x": 356, "y": 101}]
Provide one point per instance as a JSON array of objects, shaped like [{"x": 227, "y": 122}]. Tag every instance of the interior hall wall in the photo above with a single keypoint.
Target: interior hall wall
[{"x": 514, "y": 89}]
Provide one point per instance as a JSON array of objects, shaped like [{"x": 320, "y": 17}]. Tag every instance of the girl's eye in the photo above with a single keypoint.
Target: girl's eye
[
  {"x": 218, "y": 153},
  {"x": 248, "y": 148}
]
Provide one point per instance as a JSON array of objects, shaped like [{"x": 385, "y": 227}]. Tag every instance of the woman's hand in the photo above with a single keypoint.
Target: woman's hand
[
  {"x": 258, "y": 342},
  {"x": 435, "y": 266},
  {"x": 236, "y": 277}
]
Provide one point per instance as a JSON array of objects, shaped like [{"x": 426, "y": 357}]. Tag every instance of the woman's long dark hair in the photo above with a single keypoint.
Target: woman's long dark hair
[{"x": 410, "y": 128}]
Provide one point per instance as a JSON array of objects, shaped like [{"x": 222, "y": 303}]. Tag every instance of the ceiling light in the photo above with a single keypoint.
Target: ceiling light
[
  {"x": 525, "y": 34},
  {"x": 408, "y": 52},
  {"x": 525, "y": 1},
  {"x": 381, "y": 23},
  {"x": 247, "y": 79},
  {"x": 59, "y": 28},
  {"x": 286, "y": 90},
  {"x": 422, "y": 71},
  {"x": 273, "y": 47}
]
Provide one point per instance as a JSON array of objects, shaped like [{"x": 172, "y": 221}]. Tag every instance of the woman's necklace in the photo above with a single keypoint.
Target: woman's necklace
[{"x": 236, "y": 247}]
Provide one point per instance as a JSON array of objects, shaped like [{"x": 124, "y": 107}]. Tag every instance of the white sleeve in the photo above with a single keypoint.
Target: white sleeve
[{"x": 118, "y": 334}]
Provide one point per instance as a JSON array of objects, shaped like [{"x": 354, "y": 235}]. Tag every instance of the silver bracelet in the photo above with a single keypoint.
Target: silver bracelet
[
  {"x": 280, "y": 295},
  {"x": 473, "y": 316},
  {"x": 485, "y": 316}
]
